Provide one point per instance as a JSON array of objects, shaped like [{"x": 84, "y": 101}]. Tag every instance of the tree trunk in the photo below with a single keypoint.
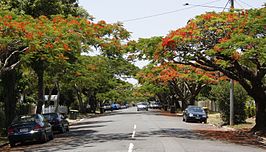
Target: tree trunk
[
  {"x": 260, "y": 113},
  {"x": 58, "y": 96},
  {"x": 93, "y": 103},
  {"x": 10, "y": 95},
  {"x": 81, "y": 105},
  {"x": 40, "y": 91}
]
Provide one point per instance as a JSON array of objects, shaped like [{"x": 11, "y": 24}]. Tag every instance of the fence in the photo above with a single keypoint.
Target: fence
[{"x": 50, "y": 109}]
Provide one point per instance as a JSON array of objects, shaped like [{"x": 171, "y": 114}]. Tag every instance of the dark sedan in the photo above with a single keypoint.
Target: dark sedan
[
  {"x": 58, "y": 121},
  {"x": 194, "y": 113},
  {"x": 29, "y": 128}
]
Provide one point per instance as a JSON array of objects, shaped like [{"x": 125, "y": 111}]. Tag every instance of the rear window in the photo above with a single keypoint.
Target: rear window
[
  {"x": 30, "y": 118},
  {"x": 50, "y": 116}
]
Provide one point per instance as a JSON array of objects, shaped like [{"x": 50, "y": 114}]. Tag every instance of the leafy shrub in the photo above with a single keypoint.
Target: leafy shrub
[
  {"x": 250, "y": 108},
  {"x": 221, "y": 94}
]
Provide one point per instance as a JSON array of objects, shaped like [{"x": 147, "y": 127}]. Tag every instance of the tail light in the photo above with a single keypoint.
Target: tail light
[
  {"x": 10, "y": 131},
  {"x": 37, "y": 127}
]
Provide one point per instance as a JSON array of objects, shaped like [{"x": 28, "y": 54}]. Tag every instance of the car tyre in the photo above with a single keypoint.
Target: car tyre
[
  {"x": 12, "y": 144},
  {"x": 44, "y": 137},
  {"x": 51, "y": 137},
  {"x": 62, "y": 129},
  {"x": 67, "y": 129}
]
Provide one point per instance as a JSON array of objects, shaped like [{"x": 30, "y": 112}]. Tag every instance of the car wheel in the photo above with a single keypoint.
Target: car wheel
[
  {"x": 12, "y": 144},
  {"x": 44, "y": 137},
  {"x": 205, "y": 121},
  {"x": 51, "y": 137},
  {"x": 67, "y": 128},
  {"x": 62, "y": 129}
]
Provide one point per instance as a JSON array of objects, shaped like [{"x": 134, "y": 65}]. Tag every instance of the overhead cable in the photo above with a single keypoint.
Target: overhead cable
[{"x": 169, "y": 12}]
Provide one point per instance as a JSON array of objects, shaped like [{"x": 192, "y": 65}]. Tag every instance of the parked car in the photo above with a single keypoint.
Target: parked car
[
  {"x": 107, "y": 107},
  {"x": 194, "y": 113},
  {"x": 29, "y": 128},
  {"x": 116, "y": 106},
  {"x": 58, "y": 122},
  {"x": 142, "y": 106},
  {"x": 155, "y": 105}
]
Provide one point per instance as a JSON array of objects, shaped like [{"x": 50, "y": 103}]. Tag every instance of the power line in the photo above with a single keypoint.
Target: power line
[
  {"x": 169, "y": 12},
  {"x": 208, "y": 6},
  {"x": 226, "y": 5},
  {"x": 246, "y": 3},
  {"x": 239, "y": 4}
]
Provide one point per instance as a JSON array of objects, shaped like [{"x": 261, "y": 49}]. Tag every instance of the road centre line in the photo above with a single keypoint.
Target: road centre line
[
  {"x": 130, "y": 148},
  {"x": 131, "y": 145},
  {"x": 133, "y": 134}
]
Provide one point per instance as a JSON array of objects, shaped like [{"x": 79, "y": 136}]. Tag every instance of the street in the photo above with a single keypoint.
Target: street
[{"x": 135, "y": 131}]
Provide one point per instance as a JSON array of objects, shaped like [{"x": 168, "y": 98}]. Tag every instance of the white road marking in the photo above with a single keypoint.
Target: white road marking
[
  {"x": 130, "y": 148},
  {"x": 133, "y": 134},
  {"x": 131, "y": 145}
]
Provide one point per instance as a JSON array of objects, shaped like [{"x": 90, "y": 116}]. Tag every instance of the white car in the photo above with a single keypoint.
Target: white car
[{"x": 142, "y": 106}]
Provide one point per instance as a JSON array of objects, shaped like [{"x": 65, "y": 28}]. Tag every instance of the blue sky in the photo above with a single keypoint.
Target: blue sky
[
  {"x": 159, "y": 25},
  {"x": 175, "y": 15}
]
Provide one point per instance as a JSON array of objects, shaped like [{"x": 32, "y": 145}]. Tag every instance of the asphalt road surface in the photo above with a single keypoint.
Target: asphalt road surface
[{"x": 130, "y": 130}]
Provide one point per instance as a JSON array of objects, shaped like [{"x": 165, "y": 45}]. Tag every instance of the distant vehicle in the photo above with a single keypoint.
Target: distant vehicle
[
  {"x": 194, "y": 113},
  {"x": 155, "y": 105},
  {"x": 142, "y": 106},
  {"x": 58, "y": 122},
  {"x": 29, "y": 128},
  {"x": 124, "y": 106},
  {"x": 107, "y": 107},
  {"x": 116, "y": 106}
]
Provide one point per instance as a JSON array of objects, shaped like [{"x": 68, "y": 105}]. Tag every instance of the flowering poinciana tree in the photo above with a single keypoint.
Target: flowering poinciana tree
[
  {"x": 232, "y": 43},
  {"x": 42, "y": 41},
  {"x": 184, "y": 82}
]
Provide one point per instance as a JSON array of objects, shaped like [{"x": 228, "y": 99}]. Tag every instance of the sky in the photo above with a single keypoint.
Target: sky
[{"x": 147, "y": 18}]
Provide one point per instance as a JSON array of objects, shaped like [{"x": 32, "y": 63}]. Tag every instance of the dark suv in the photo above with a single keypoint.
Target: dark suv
[{"x": 58, "y": 122}]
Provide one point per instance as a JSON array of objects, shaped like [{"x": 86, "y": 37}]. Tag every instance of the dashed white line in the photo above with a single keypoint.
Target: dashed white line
[
  {"x": 131, "y": 145},
  {"x": 130, "y": 148},
  {"x": 133, "y": 134}
]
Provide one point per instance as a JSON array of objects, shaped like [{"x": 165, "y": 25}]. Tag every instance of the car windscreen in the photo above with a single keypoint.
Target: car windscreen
[{"x": 196, "y": 109}]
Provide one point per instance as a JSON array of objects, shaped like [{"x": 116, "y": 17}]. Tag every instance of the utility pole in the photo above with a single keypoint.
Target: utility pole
[{"x": 232, "y": 86}]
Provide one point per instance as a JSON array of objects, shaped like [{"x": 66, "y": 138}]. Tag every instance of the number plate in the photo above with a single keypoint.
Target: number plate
[{"x": 24, "y": 130}]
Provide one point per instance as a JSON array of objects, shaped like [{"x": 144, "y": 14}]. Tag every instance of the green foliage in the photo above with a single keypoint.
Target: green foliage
[
  {"x": 38, "y": 8},
  {"x": 250, "y": 108},
  {"x": 221, "y": 94}
]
